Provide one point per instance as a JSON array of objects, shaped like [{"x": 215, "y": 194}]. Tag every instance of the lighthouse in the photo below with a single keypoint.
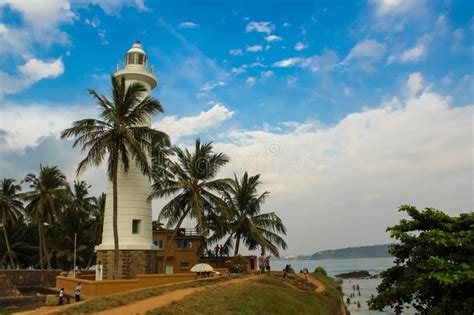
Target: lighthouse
[{"x": 137, "y": 252}]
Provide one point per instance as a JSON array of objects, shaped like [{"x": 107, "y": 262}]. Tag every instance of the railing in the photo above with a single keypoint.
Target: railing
[
  {"x": 188, "y": 232},
  {"x": 151, "y": 69}
]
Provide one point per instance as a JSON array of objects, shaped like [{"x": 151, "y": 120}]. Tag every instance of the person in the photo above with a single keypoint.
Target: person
[
  {"x": 348, "y": 301},
  {"x": 306, "y": 273},
  {"x": 216, "y": 249},
  {"x": 358, "y": 304},
  {"x": 357, "y": 287},
  {"x": 358, "y": 293},
  {"x": 98, "y": 271},
  {"x": 78, "y": 292},
  {"x": 221, "y": 250},
  {"x": 353, "y": 287},
  {"x": 61, "y": 296},
  {"x": 267, "y": 263}
]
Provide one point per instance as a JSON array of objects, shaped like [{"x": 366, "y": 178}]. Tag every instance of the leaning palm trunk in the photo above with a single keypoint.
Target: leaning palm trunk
[
  {"x": 115, "y": 214},
  {"x": 168, "y": 248},
  {"x": 40, "y": 247},
  {"x": 8, "y": 245},
  {"x": 237, "y": 244},
  {"x": 45, "y": 247}
]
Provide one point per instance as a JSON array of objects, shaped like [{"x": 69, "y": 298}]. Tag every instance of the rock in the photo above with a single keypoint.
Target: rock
[{"x": 354, "y": 274}]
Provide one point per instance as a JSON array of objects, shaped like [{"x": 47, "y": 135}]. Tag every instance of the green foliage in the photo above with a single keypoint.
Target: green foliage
[
  {"x": 238, "y": 264},
  {"x": 434, "y": 265},
  {"x": 320, "y": 271}
]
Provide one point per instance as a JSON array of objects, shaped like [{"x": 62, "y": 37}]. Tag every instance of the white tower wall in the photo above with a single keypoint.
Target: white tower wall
[{"x": 133, "y": 187}]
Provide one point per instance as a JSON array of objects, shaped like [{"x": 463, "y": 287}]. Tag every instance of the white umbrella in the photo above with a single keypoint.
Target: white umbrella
[{"x": 202, "y": 268}]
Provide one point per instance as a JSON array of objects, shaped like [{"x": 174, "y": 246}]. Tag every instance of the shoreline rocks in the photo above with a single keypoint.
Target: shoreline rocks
[{"x": 361, "y": 274}]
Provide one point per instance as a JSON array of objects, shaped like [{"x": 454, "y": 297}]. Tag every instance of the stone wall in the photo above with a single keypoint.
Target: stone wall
[
  {"x": 131, "y": 263},
  {"x": 7, "y": 288},
  {"x": 24, "y": 277}
]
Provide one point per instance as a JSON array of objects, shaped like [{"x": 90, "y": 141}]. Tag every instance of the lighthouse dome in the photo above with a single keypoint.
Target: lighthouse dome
[{"x": 136, "y": 55}]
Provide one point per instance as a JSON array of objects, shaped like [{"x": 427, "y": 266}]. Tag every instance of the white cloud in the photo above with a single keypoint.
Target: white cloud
[
  {"x": 267, "y": 74},
  {"x": 387, "y": 7},
  {"x": 114, "y": 7},
  {"x": 193, "y": 125},
  {"x": 250, "y": 81},
  {"x": 238, "y": 70},
  {"x": 273, "y": 38},
  {"x": 286, "y": 24},
  {"x": 368, "y": 49},
  {"x": 377, "y": 159},
  {"x": 210, "y": 85},
  {"x": 413, "y": 54},
  {"x": 414, "y": 84},
  {"x": 261, "y": 27},
  {"x": 25, "y": 124},
  {"x": 38, "y": 69},
  {"x": 31, "y": 72},
  {"x": 236, "y": 52},
  {"x": 347, "y": 91},
  {"x": 291, "y": 80},
  {"x": 254, "y": 48},
  {"x": 187, "y": 25},
  {"x": 286, "y": 63},
  {"x": 300, "y": 46},
  {"x": 95, "y": 24},
  {"x": 447, "y": 80}
]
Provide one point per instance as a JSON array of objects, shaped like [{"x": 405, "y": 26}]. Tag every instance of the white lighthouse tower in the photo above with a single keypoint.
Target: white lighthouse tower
[{"x": 137, "y": 252}]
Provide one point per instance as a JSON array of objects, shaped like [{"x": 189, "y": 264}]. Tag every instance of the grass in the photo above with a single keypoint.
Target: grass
[
  {"x": 264, "y": 295},
  {"x": 107, "y": 302}
]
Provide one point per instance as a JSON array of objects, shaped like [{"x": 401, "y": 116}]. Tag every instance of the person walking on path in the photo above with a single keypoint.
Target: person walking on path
[
  {"x": 78, "y": 292},
  {"x": 261, "y": 263},
  {"x": 61, "y": 296}
]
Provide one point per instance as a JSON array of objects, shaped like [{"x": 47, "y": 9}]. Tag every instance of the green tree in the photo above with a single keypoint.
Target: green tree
[
  {"x": 50, "y": 192},
  {"x": 434, "y": 264},
  {"x": 121, "y": 135},
  {"x": 11, "y": 208},
  {"x": 247, "y": 223},
  {"x": 97, "y": 214},
  {"x": 191, "y": 184}
]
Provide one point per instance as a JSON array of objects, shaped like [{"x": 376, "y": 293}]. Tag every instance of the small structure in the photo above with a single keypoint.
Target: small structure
[{"x": 184, "y": 252}]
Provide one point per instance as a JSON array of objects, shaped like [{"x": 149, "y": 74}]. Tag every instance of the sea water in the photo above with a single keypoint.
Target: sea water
[{"x": 336, "y": 266}]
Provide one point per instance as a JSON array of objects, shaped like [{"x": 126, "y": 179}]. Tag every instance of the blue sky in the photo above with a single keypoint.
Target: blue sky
[{"x": 252, "y": 75}]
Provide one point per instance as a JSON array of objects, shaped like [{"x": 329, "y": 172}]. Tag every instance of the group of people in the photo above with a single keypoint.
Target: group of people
[
  {"x": 219, "y": 251},
  {"x": 355, "y": 287},
  {"x": 77, "y": 294},
  {"x": 288, "y": 269},
  {"x": 304, "y": 273}
]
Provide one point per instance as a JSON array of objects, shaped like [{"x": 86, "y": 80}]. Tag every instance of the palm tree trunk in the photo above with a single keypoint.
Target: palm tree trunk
[
  {"x": 168, "y": 248},
  {"x": 45, "y": 247},
  {"x": 237, "y": 244},
  {"x": 40, "y": 246},
  {"x": 115, "y": 214},
  {"x": 8, "y": 244}
]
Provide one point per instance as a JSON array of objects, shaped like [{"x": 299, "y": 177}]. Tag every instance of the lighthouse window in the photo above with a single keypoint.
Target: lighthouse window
[
  {"x": 140, "y": 58},
  {"x": 135, "y": 226},
  {"x": 129, "y": 59}
]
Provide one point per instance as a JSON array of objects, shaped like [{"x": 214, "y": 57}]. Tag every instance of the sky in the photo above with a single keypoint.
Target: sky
[{"x": 347, "y": 109}]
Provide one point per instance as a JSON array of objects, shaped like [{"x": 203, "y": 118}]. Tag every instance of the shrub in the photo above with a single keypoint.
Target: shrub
[
  {"x": 320, "y": 271},
  {"x": 237, "y": 265}
]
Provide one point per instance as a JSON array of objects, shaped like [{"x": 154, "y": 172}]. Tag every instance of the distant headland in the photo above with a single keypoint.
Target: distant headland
[{"x": 371, "y": 251}]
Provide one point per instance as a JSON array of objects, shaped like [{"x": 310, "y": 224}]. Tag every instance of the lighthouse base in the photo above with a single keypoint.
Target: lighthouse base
[{"x": 130, "y": 263}]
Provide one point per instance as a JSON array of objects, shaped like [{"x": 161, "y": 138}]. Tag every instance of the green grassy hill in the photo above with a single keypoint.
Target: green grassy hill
[{"x": 264, "y": 295}]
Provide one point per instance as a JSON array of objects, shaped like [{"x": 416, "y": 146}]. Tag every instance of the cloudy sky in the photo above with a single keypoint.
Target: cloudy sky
[{"x": 347, "y": 109}]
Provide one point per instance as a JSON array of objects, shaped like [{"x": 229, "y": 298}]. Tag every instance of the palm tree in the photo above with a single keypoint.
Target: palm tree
[
  {"x": 98, "y": 210},
  {"x": 121, "y": 135},
  {"x": 11, "y": 208},
  {"x": 190, "y": 182},
  {"x": 247, "y": 224},
  {"x": 50, "y": 192}
]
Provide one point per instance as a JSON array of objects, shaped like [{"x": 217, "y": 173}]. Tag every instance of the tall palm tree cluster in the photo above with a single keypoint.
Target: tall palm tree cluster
[
  {"x": 227, "y": 209},
  {"x": 39, "y": 225}
]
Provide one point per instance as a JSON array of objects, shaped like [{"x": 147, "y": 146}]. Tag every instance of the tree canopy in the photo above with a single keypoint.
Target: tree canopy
[{"x": 434, "y": 265}]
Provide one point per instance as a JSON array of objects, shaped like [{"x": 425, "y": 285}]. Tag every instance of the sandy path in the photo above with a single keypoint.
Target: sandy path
[
  {"x": 320, "y": 287},
  {"x": 141, "y": 307}
]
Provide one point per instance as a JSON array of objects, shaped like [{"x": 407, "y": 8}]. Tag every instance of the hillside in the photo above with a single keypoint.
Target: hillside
[{"x": 372, "y": 251}]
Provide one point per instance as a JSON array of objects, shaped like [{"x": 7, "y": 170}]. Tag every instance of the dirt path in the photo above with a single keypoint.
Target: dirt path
[
  {"x": 141, "y": 307},
  {"x": 320, "y": 287}
]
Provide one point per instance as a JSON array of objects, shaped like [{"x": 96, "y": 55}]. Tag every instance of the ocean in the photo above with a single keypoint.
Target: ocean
[{"x": 337, "y": 266}]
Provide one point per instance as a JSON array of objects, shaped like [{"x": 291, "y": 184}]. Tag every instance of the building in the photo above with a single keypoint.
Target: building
[
  {"x": 137, "y": 251},
  {"x": 184, "y": 252}
]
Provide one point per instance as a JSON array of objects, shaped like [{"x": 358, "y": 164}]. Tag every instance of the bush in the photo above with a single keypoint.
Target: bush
[
  {"x": 237, "y": 265},
  {"x": 320, "y": 271}
]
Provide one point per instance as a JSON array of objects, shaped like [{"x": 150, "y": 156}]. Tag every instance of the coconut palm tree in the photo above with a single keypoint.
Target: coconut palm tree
[
  {"x": 50, "y": 192},
  {"x": 121, "y": 136},
  {"x": 11, "y": 208},
  {"x": 98, "y": 210},
  {"x": 246, "y": 223},
  {"x": 189, "y": 180}
]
